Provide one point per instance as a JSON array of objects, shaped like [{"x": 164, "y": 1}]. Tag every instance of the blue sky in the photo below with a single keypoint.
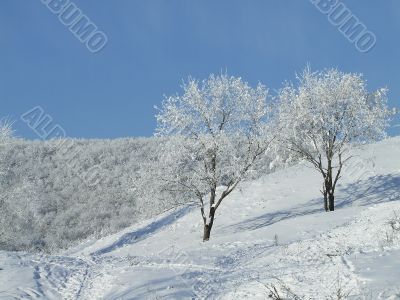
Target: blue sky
[{"x": 154, "y": 44}]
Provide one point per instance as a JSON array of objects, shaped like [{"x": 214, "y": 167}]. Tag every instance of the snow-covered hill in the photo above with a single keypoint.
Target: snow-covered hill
[
  {"x": 270, "y": 236},
  {"x": 57, "y": 193}
]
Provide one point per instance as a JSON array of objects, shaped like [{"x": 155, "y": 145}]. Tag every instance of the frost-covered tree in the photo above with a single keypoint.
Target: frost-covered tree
[
  {"x": 6, "y": 133},
  {"x": 218, "y": 129},
  {"x": 325, "y": 113},
  {"x": 5, "y": 136}
]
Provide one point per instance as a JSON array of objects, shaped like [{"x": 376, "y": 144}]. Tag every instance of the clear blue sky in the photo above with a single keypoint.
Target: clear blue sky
[{"x": 153, "y": 44}]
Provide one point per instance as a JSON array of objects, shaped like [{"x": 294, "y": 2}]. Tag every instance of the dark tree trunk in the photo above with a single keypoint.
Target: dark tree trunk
[
  {"x": 208, "y": 227},
  {"x": 207, "y": 232},
  {"x": 329, "y": 198},
  {"x": 329, "y": 192},
  {"x": 326, "y": 201},
  {"x": 331, "y": 202}
]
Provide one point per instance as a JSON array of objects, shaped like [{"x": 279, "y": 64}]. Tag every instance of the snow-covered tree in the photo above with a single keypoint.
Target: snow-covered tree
[
  {"x": 6, "y": 133},
  {"x": 218, "y": 128},
  {"x": 325, "y": 113}
]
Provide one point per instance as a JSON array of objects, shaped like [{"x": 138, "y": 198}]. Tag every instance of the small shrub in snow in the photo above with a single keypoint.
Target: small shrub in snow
[
  {"x": 340, "y": 291},
  {"x": 392, "y": 231},
  {"x": 394, "y": 223},
  {"x": 279, "y": 290},
  {"x": 276, "y": 240}
]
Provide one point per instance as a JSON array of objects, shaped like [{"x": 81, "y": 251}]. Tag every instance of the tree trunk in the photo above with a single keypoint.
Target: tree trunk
[
  {"x": 208, "y": 226},
  {"x": 331, "y": 202},
  {"x": 326, "y": 202},
  {"x": 207, "y": 232},
  {"x": 329, "y": 190}
]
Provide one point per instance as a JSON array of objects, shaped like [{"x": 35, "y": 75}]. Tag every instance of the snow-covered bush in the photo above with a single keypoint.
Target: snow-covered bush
[
  {"x": 392, "y": 232},
  {"x": 394, "y": 223},
  {"x": 20, "y": 223}
]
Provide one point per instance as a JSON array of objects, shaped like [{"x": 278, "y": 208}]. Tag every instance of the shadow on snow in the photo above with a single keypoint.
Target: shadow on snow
[
  {"x": 374, "y": 190},
  {"x": 143, "y": 233}
]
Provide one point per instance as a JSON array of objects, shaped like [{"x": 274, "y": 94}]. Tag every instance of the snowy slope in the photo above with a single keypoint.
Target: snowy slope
[{"x": 271, "y": 233}]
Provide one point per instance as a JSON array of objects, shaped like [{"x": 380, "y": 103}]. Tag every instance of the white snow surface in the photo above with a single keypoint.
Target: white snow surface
[{"x": 269, "y": 233}]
